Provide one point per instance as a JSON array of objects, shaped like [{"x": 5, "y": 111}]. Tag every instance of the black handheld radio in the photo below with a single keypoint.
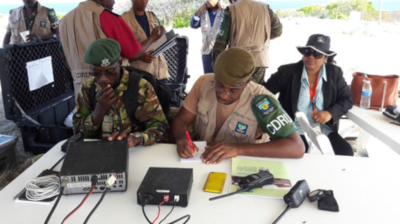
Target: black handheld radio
[
  {"x": 250, "y": 182},
  {"x": 295, "y": 197},
  {"x": 256, "y": 180}
]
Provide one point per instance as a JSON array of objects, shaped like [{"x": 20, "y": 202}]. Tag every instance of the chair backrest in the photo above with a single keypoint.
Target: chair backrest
[
  {"x": 176, "y": 58},
  {"x": 321, "y": 141}
]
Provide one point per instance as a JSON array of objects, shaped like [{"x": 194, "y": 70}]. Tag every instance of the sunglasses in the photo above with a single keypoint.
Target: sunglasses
[
  {"x": 307, "y": 52},
  {"x": 108, "y": 74}
]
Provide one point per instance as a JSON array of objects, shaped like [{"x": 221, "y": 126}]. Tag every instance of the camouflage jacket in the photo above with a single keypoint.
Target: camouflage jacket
[
  {"x": 155, "y": 127},
  {"x": 222, "y": 41}
]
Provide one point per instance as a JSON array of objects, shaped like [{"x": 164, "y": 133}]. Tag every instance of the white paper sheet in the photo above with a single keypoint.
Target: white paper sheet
[
  {"x": 158, "y": 43},
  {"x": 24, "y": 35},
  {"x": 40, "y": 73},
  {"x": 202, "y": 147}
]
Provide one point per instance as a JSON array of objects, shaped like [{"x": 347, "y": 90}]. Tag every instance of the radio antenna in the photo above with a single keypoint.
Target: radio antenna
[
  {"x": 226, "y": 195},
  {"x": 284, "y": 212}
]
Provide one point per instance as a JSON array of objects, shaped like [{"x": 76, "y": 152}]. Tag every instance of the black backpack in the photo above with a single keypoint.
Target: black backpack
[{"x": 130, "y": 100}]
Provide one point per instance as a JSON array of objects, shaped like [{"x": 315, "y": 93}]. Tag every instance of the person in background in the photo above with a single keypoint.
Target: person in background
[
  {"x": 316, "y": 87},
  {"x": 249, "y": 25},
  {"x": 143, "y": 23},
  {"x": 234, "y": 115},
  {"x": 40, "y": 21},
  {"x": 105, "y": 116},
  {"x": 92, "y": 20},
  {"x": 208, "y": 17}
]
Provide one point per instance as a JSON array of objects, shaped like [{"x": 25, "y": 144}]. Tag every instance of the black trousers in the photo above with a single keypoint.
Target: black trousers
[{"x": 339, "y": 145}]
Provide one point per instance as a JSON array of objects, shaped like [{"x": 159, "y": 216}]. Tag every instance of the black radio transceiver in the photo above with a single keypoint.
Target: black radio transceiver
[
  {"x": 256, "y": 180},
  {"x": 295, "y": 197},
  {"x": 250, "y": 182},
  {"x": 297, "y": 194}
]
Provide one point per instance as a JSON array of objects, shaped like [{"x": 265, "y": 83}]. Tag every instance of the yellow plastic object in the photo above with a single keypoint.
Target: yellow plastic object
[{"x": 215, "y": 182}]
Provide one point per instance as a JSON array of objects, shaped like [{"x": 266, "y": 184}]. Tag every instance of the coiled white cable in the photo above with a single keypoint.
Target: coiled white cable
[{"x": 41, "y": 188}]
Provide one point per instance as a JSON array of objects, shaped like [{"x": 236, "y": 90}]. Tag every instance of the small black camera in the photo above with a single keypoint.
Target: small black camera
[{"x": 297, "y": 194}]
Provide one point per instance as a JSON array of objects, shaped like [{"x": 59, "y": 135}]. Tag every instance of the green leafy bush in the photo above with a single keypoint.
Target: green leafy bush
[
  {"x": 342, "y": 9},
  {"x": 314, "y": 11},
  {"x": 182, "y": 20},
  {"x": 289, "y": 13},
  {"x": 60, "y": 16}
]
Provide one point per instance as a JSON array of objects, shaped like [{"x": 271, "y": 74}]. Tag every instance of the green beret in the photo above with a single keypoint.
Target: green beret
[
  {"x": 102, "y": 52},
  {"x": 271, "y": 117},
  {"x": 234, "y": 66}
]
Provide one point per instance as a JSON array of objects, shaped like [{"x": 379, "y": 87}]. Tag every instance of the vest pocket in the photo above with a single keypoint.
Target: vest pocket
[
  {"x": 162, "y": 68},
  {"x": 202, "y": 122},
  {"x": 42, "y": 25},
  {"x": 241, "y": 131},
  {"x": 14, "y": 28}
]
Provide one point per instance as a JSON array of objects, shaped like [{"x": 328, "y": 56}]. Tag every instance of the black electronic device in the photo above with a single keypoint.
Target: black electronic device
[
  {"x": 256, "y": 180},
  {"x": 176, "y": 183},
  {"x": 101, "y": 158},
  {"x": 297, "y": 194},
  {"x": 74, "y": 138},
  {"x": 393, "y": 112},
  {"x": 250, "y": 182},
  {"x": 295, "y": 197}
]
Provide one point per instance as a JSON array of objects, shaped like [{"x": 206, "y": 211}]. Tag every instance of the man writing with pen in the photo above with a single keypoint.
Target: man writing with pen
[
  {"x": 234, "y": 115},
  {"x": 101, "y": 111}
]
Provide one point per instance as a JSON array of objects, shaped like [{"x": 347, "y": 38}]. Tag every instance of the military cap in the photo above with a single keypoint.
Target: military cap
[
  {"x": 234, "y": 66},
  {"x": 102, "y": 52},
  {"x": 271, "y": 117}
]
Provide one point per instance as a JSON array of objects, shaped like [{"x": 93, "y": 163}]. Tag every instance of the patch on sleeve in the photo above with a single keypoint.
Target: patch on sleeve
[
  {"x": 265, "y": 106},
  {"x": 52, "y": 13},
  {"x": 42, "y": 24},
  {"x": 241, "y": 128}
]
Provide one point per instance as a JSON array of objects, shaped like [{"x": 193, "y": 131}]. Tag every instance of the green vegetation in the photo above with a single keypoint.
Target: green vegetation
[
  {"x": 289, "y": 13},
  {"x": 60, "y": 16},
  {"x": 314, "y": 11},
  {"x": 342, "y": 9},
  {"x": 183, "y": 19}
]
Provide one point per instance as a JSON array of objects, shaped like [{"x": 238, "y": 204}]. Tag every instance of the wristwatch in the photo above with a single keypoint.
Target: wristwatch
[{"x": 139, "y": 136}]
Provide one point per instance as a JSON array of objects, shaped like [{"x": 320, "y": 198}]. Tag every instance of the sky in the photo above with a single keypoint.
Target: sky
[{"x": 3, "y": 2}]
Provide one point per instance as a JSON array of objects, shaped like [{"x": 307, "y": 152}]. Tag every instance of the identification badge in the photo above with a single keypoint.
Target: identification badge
[
  {"x": 317, "y": 128},
  {"x": 241, "y": 128},
  {"x": 265, "y": 106}
]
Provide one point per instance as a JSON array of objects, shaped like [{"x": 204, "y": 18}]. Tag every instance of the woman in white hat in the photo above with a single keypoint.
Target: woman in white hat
[{"x": 316, "y": 87}]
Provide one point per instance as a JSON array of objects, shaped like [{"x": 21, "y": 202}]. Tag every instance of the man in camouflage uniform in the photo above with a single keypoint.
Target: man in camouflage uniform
[
  {"x": 241, "y": 27},
  {"x": 40, "y": 21},
  {"x": 108, "y": 118}
]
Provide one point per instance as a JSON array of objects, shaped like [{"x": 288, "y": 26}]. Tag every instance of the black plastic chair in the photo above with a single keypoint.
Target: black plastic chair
[{"x": 177, "y": 67}]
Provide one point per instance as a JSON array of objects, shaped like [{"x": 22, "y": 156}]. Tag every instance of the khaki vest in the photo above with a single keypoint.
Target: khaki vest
[
  {"x": 78, "y": 29},
  {"x": 207, "y": 108},
  {"x": 209, "y": 33},
  {"x": 17, "y": 23},
  {"x": 251, "y": 29},
  {"x": 158, "y": 67}
]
